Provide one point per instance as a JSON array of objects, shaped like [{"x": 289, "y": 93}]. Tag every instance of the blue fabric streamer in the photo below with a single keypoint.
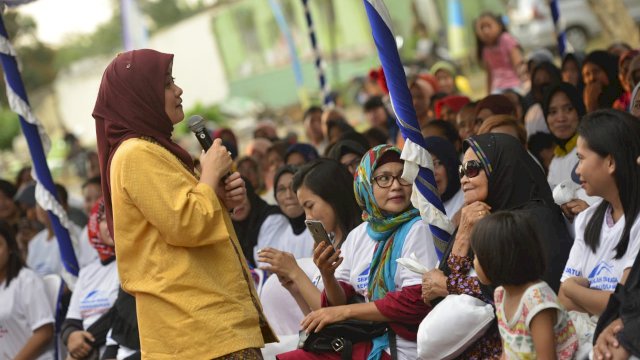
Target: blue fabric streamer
[{"x": 38, "y": 157}]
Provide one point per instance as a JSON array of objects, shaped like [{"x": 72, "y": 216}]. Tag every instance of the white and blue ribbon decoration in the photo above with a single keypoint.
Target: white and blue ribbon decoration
[
  {"x": 134, "y": 31},
  {"x": 39, "y": 145},
  {"x": 558, "y": 26},
  {"x": 418, "y": 166},
  {"x": 293, "y": 52},
  {"x": 319, "y": 64}
]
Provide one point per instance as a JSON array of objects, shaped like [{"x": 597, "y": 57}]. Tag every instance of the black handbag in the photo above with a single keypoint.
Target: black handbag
[{"x": 340, "y": 337}]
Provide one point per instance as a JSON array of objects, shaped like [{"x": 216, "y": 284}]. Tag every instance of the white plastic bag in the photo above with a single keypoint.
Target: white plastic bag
[{"x": 452, "y": 326}]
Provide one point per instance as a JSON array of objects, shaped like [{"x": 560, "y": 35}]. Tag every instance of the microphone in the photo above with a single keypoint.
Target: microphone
[{"x": 196, "y": 125}]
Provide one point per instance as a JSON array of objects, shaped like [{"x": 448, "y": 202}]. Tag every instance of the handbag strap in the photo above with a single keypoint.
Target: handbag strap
[
  {"x": 393, "y": 345},
  {"x": 347, "y": 350}
]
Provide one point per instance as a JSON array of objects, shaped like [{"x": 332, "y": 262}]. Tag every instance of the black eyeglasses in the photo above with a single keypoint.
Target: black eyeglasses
[
  {"x": 471, "y": 169},
  {"x": 385, "y": 181}
]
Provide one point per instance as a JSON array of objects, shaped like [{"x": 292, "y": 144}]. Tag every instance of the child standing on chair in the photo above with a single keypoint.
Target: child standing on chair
[{"x": 509, "y": 255}]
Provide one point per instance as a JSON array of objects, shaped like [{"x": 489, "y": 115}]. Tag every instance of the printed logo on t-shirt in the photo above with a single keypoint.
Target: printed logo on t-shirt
[
  {"x": 602, "y": 277},
  {"x": 95, "y": 302},
  {"x": 362, "y": 280},
  {"x": 572, "y": 272}
]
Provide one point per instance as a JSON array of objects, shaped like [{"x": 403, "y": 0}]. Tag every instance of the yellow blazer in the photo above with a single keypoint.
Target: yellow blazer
[{"x": 178, "y": 254}]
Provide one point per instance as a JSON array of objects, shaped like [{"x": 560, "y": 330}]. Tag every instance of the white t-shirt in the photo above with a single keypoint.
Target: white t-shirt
[
  {"x": 44, "y": 254},
  {"x": 534, "y": 121},
  {"x": 276, "y": 232},
  {"x": 86, "y": 252},
  {"x": 453, "y": 205},
  {"x": 94, "y": 293},
  {"x": 560, "y": 170},
  {"x": 279, "y": 306},
  {"x": 601, "y": 268},
  {"x": 358, "y": 250},
  {"x": 24, "y": 307}
]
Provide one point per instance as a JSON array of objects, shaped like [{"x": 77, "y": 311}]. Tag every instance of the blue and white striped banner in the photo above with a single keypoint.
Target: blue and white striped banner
[
  {"x": 293, "y": 52},
  {"x": 418, "y": 166},
  {"x": 558, "y": 25},
  {"x": 134, "y": 31},
  {"x": 39, "y": 145},
  {"x": 324, "y": 85}
]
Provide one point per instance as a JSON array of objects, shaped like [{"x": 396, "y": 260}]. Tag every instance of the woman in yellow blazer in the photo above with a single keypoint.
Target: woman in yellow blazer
[{"x": 177, "y": 252}]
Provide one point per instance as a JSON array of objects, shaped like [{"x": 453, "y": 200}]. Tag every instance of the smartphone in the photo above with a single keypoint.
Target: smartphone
[{"x": 318, "y": 232}]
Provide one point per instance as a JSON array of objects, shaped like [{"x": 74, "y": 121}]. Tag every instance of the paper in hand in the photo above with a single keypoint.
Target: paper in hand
[{"x": 412, "y": 263}]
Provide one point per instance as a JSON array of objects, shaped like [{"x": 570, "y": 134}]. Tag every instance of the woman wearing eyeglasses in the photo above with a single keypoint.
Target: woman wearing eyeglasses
[
  {"x": 366, "y": 264},
  {"x": 497, "y": 174}
]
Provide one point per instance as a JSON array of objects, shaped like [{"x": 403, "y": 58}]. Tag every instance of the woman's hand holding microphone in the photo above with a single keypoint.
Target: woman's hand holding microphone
[{"x": 216, "y": 166}]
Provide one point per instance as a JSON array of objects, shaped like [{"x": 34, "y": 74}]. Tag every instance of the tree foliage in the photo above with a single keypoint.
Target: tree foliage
[
  {"x": 32, "y": 53},
  {"x": 107, "y": 39},
  {"x": 10, "y": 125}
]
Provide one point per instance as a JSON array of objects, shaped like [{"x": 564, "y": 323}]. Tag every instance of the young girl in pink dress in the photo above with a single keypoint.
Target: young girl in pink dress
[
  {"x": 532, "y": 324},
  {"x": 499, "y": 52}
]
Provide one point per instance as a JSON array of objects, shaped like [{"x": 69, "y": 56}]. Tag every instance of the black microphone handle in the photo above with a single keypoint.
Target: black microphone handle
[{"x": 204, "y": 139}]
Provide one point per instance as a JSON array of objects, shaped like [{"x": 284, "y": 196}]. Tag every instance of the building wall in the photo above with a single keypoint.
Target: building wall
[{"x": 197, "y": 68}]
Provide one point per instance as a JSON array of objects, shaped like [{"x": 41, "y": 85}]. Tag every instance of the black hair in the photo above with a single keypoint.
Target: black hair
[
  {"x": 608, "y": 63},
  {"x": 375, "y": 137},
  {"x": 332, "y": 182},
  {"x": 342, "y": 125},
  {"x": 616, "y": 133},
  {"x": 15, "y": 263},
  {"x": 572, "y": 94},
  {"x": 357, "y": 137},
  {"x": 508, "y": 248},
  {"x": 63, "y": 195},
  {"x": 284, "y": 169},
  {"x": 20, "y": 174},
  {"x": 518, "y": 96},
  {"x": 538, "y": 142},
  {"x": 577, "y": 58},
  {"x": 312, "y": 110},
  {"x": 479, "y": 44},
  {"x": 555, "y": 76},
  {"x": 447, "y": 128},
  {"x": 373, "y": 103},
  {"x": 254, "y": 163},
  {"x": 8, "y": 189},
  {"x": 92, "y": 181}
]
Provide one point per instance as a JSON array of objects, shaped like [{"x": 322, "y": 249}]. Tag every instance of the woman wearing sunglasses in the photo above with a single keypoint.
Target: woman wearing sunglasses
[{"x": 497, "y": 174}]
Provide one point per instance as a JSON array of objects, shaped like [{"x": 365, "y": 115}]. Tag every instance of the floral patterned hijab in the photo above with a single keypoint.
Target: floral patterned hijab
[{"x": 106, "y": 252}]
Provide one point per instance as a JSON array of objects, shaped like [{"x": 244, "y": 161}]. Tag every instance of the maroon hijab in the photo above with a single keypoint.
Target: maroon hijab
[{"x": 130, "y": 104}]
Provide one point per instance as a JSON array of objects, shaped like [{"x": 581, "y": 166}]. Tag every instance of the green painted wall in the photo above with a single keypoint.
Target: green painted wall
[{"x": 256, "y": 56}]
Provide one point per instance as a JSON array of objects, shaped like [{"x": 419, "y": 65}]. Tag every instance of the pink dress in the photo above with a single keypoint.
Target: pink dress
[{"x": 498, "y": 60}]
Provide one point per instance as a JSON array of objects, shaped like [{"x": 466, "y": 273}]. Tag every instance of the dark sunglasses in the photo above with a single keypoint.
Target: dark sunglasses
[{"x": 471, "y": 169}]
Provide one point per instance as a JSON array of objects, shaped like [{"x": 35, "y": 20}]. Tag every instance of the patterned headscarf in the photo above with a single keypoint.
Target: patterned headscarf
[
  {"x": 106, "y": 252},
  {"x": 633, "y": 96},
  {"x": 389, "y": 230},
  {"x": 381, "y": 225}
]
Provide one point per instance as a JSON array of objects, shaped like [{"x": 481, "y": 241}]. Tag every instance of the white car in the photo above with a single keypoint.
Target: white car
[{"x": 531, "y": 23}]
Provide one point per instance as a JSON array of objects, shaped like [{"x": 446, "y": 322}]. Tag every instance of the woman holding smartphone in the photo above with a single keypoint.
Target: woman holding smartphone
[
  {"x": 336, "y": 209},
  {"x": 366, "y": 263}
]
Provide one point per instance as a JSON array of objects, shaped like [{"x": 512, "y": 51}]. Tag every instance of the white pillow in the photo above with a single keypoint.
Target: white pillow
[{"x": 452, "y": 326}]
